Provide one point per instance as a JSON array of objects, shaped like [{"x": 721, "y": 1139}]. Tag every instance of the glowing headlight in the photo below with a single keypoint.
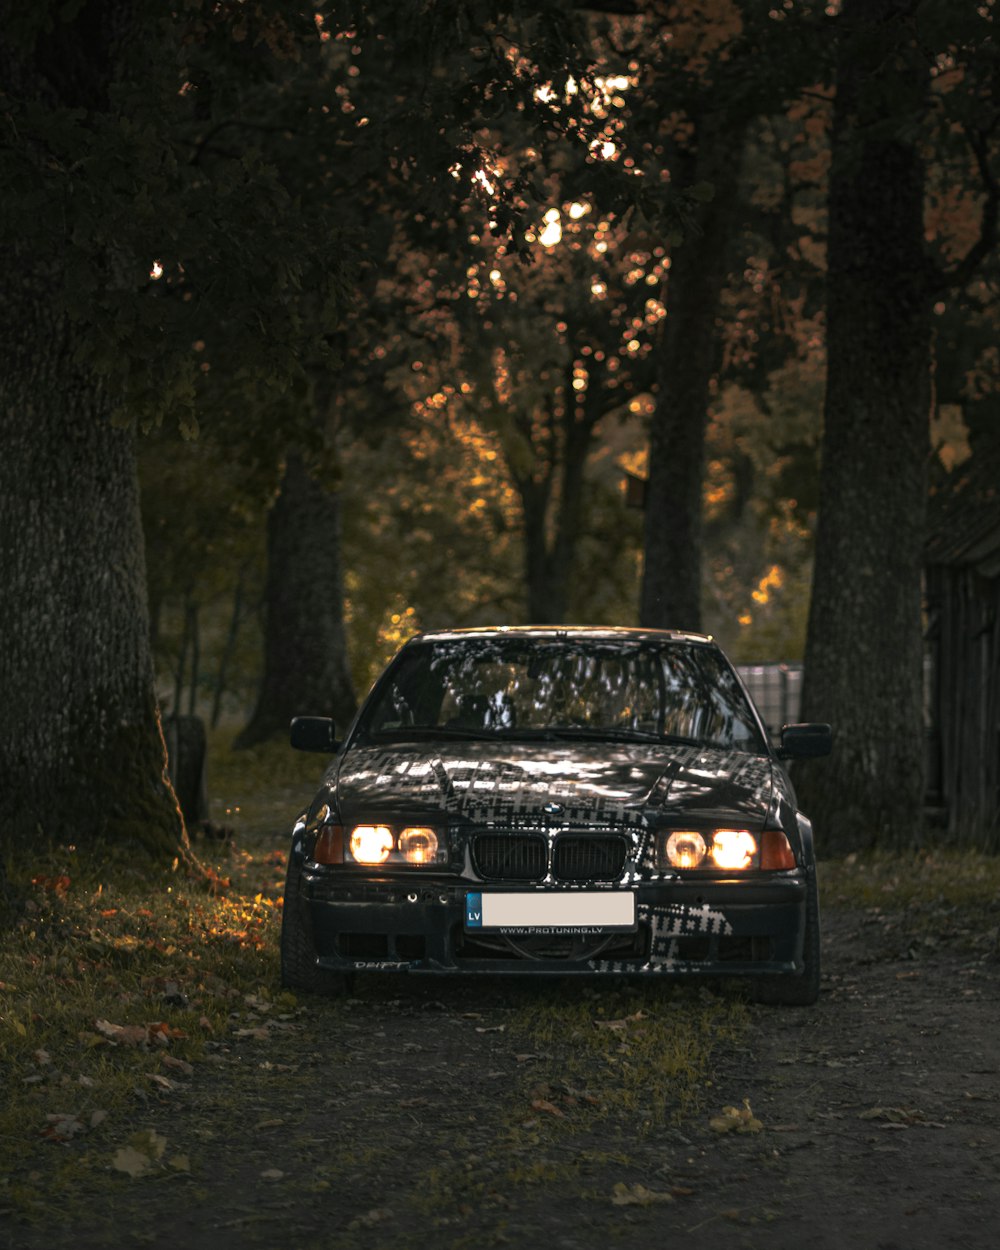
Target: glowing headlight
[
  {"x": 371, "y": 844},
  {"x": 733, "y": 848},
  {"x": 418, "y": 845},
  {"x": 685, "y": 849}
]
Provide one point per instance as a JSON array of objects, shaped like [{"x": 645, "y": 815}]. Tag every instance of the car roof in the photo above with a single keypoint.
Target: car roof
[{"x": 576, "y": 632}]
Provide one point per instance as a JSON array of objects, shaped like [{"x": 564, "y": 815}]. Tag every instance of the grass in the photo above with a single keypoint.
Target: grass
[
  {"x": 110, "y": 993},
  {"x": 925, "y": 901},
  {"x": 961, "y": 879},
  {"x": 613, "y": 1064},
  {"x": 639, "y": 1051},
  {"x": 116, "y": 982},
  {"x": 261, "y": 790},
  {"x": 118, "y": 986}
]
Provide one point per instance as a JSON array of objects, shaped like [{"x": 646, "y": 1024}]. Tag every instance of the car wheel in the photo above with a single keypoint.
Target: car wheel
[
  {"x": 299, "y": 970},
  {"x": 802, "y": 990}
]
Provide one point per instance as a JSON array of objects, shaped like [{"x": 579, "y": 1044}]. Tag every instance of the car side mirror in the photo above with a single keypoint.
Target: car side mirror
[
  {"x": 314, "y": 733},
  {"x": 805, "y": 742}
]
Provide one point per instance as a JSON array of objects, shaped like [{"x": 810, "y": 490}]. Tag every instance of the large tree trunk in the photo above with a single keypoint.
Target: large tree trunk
[
  {"x": 864, "y": 651},
  {"x": 553, "y": 521},
  {"x": 81, "y": 753},
  {"x": 689, "y": 356},
  {"x": 544, "y": 600},
  {"x": 305, "y": 648}
]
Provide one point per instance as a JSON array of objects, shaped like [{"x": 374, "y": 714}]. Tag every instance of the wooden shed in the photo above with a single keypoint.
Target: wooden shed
[{"x": 963, "y": 619}]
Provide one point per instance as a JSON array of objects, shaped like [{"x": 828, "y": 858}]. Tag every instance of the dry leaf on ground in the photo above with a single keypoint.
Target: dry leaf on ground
[
  {"x": 736, "y": 1120},
  {"x": 637, "y": 1196},
  {"x": 177, "y": 1065},
  {"x": 619, "y": 1026},
  {"x": 62, "y": 1127},
  {"x": 543, "y": 1104}
]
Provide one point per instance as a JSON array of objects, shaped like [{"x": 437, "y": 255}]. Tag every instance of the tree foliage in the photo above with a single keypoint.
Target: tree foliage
[{"x": 215, "y": 213}]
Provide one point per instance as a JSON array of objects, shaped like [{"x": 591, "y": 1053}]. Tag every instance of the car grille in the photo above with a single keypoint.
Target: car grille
[
  {"x": 517, "y": 857},
  {"x": 588, "y": 859},
  {"x": 510, "y": 858}
]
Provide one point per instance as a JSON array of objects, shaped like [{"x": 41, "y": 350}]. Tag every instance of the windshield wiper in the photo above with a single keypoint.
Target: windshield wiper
[
  {"x": 629, "y": 735},
  {"x": 402, "y": 732},
  {"x": 568, "y": 733}
]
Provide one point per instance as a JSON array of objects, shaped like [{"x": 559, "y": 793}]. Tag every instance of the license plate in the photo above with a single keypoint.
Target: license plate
[{"x": 545, "y": 911}]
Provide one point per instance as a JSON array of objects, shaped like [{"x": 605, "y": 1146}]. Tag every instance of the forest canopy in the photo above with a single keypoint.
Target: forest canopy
[{"x": 397, "y": 311}]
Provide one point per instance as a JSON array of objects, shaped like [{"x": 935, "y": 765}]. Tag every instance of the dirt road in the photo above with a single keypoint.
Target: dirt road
[{"x": 417, "y": 1113}]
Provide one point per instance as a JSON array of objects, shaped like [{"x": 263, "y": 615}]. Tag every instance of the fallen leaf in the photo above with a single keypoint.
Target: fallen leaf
[
  {"x": 131, "y": 1161},
  {"x": 375, "y": 1216},
  {"x": 177, "y": 1065},
  {"x": 62, "y": 1127},
  {"x": 619, "y": 1026},
  {"x": 898, "y": 1117},
  {"x": 623, "y": 1195},
  {"x": 163, "y": 1033},
  {"x": 123, "y": 1034},
  {"x": 542, "y": 1104},
  {"x": 149, "y": 1142},
  {"x": 736, "y": 1120},
  {"x": 272, "y": 1174},
  {"x": 179, "y": 1163}
]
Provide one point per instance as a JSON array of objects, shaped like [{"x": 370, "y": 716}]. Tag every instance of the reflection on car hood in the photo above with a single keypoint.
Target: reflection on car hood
[{"x": 601, "y": 782}]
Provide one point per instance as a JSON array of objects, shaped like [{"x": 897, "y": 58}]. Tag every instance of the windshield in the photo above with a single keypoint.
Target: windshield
[{"x": 550, "y": 689}]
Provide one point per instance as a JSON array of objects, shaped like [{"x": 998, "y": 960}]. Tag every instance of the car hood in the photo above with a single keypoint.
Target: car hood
[{"x": 592, "y": 782}]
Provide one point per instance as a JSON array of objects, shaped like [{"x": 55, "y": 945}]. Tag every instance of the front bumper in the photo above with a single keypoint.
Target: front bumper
[{"x": 685, "y": 928}]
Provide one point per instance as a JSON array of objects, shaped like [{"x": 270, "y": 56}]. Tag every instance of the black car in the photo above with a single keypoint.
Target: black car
[{"x": 556, "y": 800}]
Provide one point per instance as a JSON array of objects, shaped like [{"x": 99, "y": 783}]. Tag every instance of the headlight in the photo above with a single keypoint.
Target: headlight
[
  {"x": 731, "y": 850},
  {"x": 371, "y": 844},
  {"x": 685, "y": 849},
  {"x": 418, "y": 844}
]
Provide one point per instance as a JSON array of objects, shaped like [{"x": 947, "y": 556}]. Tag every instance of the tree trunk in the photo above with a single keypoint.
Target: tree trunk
[
  {"x": 689, "y": 355},
  {"x": 81, "y": 753},
  {"x": 864, "y": 650},
  {"x": 305, "y": 648},
  {"x": 553, "y": 521},
  {"x": 538, "y": 586},
  {"x": 228, "y": 649}
]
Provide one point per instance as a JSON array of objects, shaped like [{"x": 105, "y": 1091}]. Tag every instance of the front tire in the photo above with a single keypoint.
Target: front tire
[
  {"x": 801, "y": 990},
  {"x": 299, "y": 969}
]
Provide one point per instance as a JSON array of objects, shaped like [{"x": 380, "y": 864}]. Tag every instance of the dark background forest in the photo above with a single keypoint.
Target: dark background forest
[{"x": 322, "y": 327}]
